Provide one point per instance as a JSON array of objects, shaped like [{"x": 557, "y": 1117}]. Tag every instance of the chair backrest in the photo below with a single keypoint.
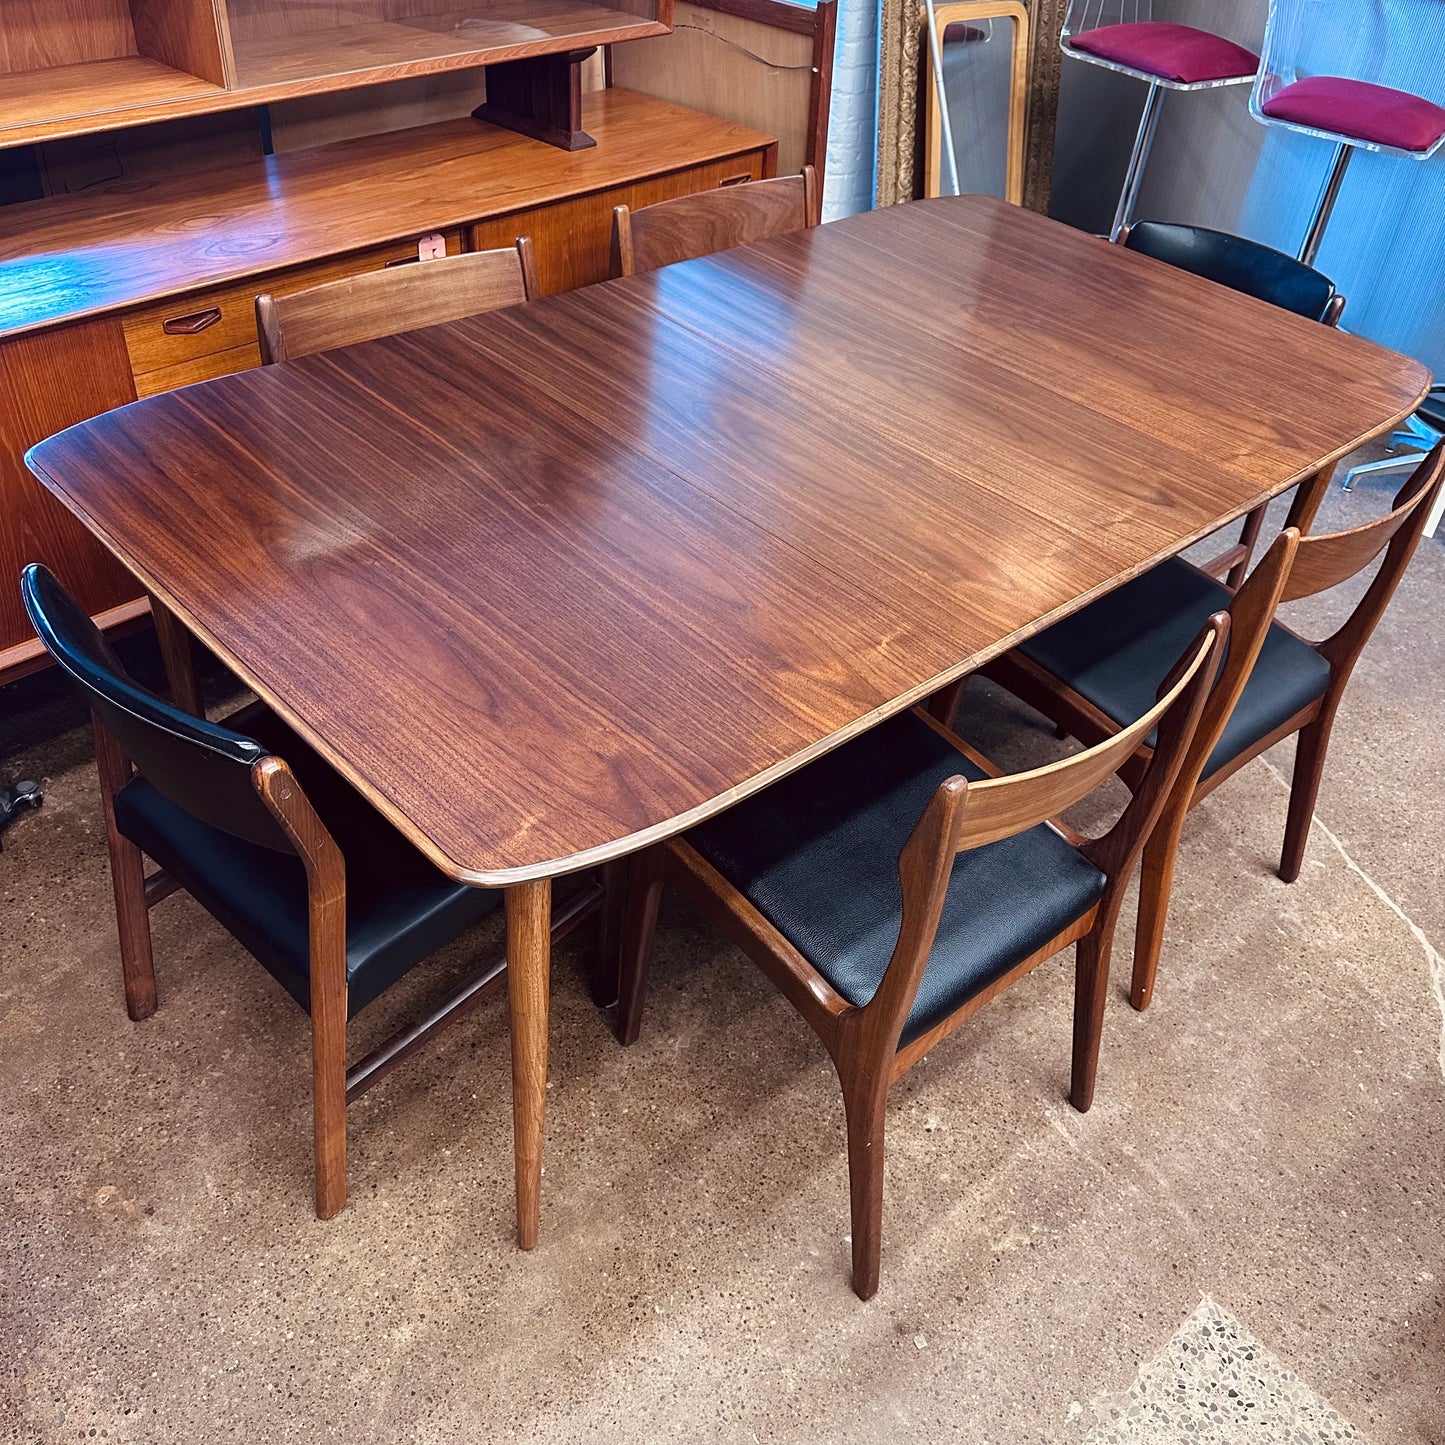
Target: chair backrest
[
  {"x": 1240, "y": 264},
  {"x": 1082, "y": 15},
  {"x": 709, "y": 221},
  {"x": 399, "y": 298},
  {"x": 962, "y": 815},
  {"x": 1326, "y": 561},
  {"x": 1000, "y": 807},
  {"x": 205, "y": 769},
  {"x": 1384, "y": 44}
]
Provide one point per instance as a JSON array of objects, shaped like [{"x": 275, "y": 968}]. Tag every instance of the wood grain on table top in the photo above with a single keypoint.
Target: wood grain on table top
[
  {"x": 551, "y": 582},
  {"x": 138, "y": 242}
]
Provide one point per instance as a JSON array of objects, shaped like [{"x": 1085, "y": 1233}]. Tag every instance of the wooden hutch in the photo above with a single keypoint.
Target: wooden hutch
[{"x": 186, "y": 154}]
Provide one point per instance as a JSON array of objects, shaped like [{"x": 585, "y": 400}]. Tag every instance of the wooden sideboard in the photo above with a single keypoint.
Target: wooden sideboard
[
  {"x": 148, "y": 282},
  {"x": 104, "y": 298}
]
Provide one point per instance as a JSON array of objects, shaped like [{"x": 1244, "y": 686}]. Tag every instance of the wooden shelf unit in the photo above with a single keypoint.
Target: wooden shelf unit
[
  {"x": 146, "y": 280},
  {"x": 73, "y": 67}
]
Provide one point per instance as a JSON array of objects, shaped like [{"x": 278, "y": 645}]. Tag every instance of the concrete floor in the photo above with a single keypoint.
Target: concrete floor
[{"x": 1245, "y": 1240}]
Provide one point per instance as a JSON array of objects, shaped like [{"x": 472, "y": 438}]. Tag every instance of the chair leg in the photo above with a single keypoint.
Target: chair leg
[
  {"x": 606, "y": 967},
  {"x": 1091, "y": 987},
  {"x": 127, "y": 879},
  {"x": 137, "y": 963},
  {"x": 1309, "y": 766},
  {"x": 644, "y": 894},
  {"x": 328, "y": 1105},
  {"x": 1156, "y": 882},
  {"x": 866, "y": 1107}
]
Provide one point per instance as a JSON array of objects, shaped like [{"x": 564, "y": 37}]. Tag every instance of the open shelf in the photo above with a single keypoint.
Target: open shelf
[
  {"x": 387, "y": 48},
  {"x": 46, "y": 99}
]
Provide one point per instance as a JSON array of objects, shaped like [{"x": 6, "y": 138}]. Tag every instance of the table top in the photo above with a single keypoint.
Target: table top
[{"x": 552, "y": 583}]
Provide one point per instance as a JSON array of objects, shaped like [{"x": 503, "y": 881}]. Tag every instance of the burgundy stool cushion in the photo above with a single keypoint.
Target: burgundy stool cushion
[
  {"x": 1169, "y": 52},
  {"x": 1360, "y": 111}
]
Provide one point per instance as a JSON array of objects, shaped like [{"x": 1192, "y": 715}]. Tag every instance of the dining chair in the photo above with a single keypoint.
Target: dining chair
[
  {"x": 1255, "y": 270},
  {"x": 1087, "y": 672},
  {"x": 1122, "y": 35},
  {"x": 698, "y": 225},
  {"x": 1307, "y": 43},
  {"x": 325, "y": 893},
  {"x": 893, "y": 887},
  {"x": 396, "y": 299}
]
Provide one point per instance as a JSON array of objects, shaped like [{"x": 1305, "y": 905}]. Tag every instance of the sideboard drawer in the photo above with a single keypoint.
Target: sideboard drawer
[{"x": 184, "y": 339}]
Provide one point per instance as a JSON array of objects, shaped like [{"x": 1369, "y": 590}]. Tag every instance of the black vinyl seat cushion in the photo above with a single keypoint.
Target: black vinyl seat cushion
[
  {"x": 1119, "y": 649},
  {"x": 817, "y": 855},
  {"x": 399, "y": 908}
]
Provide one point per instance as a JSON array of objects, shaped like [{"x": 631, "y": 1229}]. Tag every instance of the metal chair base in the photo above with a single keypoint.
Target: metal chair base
[
  {"x": 1138, "y": 158},
  {"x": 1325, "y": 206}
]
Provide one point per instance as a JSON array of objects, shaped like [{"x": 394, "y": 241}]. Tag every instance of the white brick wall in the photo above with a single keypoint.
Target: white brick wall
[{"x": 853, "y": 122}]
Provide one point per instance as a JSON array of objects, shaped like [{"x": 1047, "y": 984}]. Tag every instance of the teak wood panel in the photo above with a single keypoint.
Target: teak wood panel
[
  {"x": 572, "y": 237},
  {"x": 413, "y": 548},
  {"x": 39, "y": 34},
  {"x": 141, "y": 243},
  {"x": 48, "y": 382},
  {"x": 762, "y": 63}
]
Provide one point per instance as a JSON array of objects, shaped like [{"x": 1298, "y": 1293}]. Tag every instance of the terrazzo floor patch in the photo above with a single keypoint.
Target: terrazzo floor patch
[{"x": 1214, "y": 1382}]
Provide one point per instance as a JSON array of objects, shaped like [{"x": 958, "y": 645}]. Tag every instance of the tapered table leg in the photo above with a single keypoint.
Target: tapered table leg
[
  {"x": 529, "y": 966},
  {"x": 178, "y": 655}
]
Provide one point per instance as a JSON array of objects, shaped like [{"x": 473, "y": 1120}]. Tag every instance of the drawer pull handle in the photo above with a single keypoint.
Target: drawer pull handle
[
  {"x": 193, "y": 324},
  {"x": 741, "y": 180}
]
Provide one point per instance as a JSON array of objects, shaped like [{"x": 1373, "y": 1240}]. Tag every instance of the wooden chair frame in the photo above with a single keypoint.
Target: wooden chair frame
[
  {"x": 710, "y": 221},
  {"x": 863, "y": 1042},
  {"x": 1294, "y": 567},
  {"x": 1232, "y": 564},
  {"x": 396, "y": 299},
  {"x": 333, "y": 1085}
]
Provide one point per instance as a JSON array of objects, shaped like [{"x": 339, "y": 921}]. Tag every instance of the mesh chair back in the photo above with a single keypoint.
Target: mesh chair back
[
  {"x": 200, "y": 767},
  {"x": 1082, "y": 15}
]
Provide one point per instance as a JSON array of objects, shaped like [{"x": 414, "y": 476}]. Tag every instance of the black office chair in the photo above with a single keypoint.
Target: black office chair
[
  {"x": 1268, "y": 275},
  {"x": 321, "y": 889}
]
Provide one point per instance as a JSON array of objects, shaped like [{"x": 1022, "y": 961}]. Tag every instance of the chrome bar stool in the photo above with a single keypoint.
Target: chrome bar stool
[
  {"x": 1121, "y": 35},
  {"x": 1356, "y": 112}
]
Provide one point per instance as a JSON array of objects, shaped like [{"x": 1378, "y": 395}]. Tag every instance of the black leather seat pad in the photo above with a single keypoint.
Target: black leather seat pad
[
  {"x": 1119, "y": 649},
  {"x": 399, "y": 909},
  {"x": 817, "y": 855}
]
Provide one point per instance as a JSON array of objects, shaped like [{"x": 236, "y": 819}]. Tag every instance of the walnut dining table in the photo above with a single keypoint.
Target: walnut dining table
[{"x": 554, "y": 583}]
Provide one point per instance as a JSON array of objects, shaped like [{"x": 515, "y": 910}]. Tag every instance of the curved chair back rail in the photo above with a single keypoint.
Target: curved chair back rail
[
  {"x": 390, "y": 301},
  {"x": 199, "y": 766},
  {"x": 1000, "y": 807},
  {"x": 1326, "y": 561},
  {"x": 698, "y": 225},
  {"x": 1240, "y": 264}
]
